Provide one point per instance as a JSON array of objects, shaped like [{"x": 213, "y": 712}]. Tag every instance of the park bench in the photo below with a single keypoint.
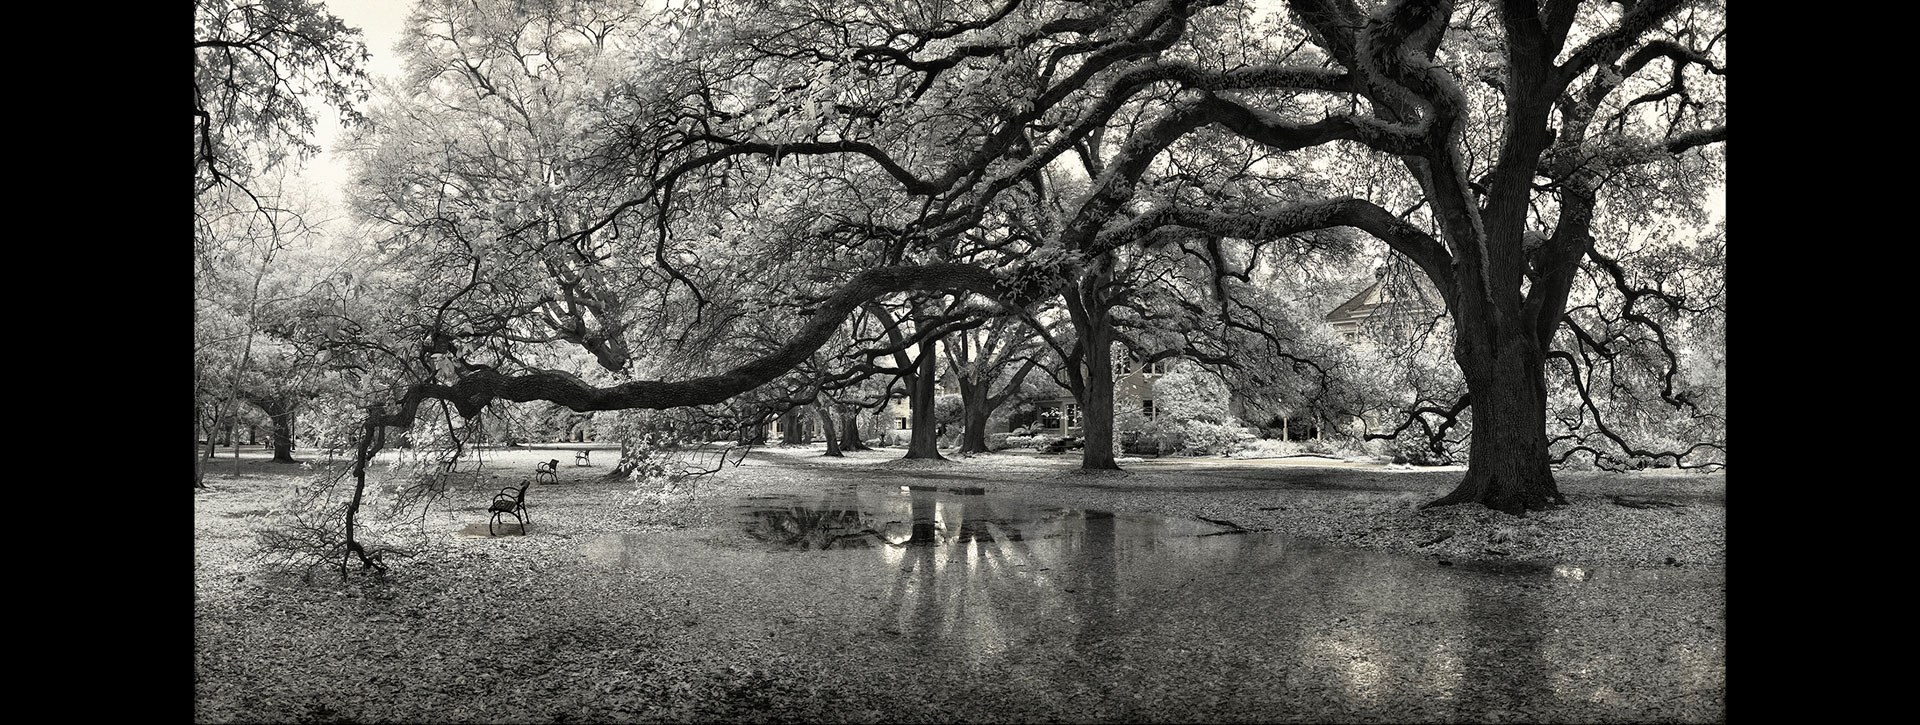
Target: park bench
[
  {"x": 582, "y": 458},
  {"x": 512, "y": 502},
  {"x": 548, "y": 472}
]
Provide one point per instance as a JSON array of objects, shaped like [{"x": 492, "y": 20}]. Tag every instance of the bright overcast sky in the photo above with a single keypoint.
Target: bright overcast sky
[{"x": 379, "y": 22}]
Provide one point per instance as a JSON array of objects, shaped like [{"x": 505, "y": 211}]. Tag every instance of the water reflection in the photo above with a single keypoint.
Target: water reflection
[
  {"x": 1093, "y": 615},
  {"x": 950, "y": 518}
]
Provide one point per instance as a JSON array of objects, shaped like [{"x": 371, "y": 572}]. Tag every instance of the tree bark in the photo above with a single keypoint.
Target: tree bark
[
  {"x": 283, "y": 434},
  {"x": 974, "y": 401},
  {"x": 790, "y": 428},
  {"x": 200, "y": 460},
  {"x": 1096, "y": 402},
  {"x": 1507, "y": 457},
  {"x": 281, "y": 409},
  {"x": 1094, "y": 391},
  {"x": 850, "y": 439},
  {"x": 826, "y": 429},
  {"x": 926, "y": 440}
]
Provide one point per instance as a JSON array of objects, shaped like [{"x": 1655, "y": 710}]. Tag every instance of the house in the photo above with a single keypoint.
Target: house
[
  {"x": 1391, "y": 311},
  {"x": 1393, "y": 305},
  {"x": 1061, "y": 416}
]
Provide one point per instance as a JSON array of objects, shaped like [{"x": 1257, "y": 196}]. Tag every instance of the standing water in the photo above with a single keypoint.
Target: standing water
[{"x": 953, "y": 603}]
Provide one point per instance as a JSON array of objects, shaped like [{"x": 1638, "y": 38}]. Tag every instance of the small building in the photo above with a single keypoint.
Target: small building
[
  {"x": 1390, "y": 311},
  {"x": 1392, "y": 305},
  {"x": 1061, "y": 416}
]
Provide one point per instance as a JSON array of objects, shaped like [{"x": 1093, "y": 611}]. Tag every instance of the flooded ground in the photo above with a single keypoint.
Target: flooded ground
[
  {"x": 1003, "y": 589},
  {"x": 1019, "y": 611}
]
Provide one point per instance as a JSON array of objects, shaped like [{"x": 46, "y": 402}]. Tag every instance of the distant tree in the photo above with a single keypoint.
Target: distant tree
[
  {"x": 257, "y": 64},
  {"x": 990, "y": 366}
]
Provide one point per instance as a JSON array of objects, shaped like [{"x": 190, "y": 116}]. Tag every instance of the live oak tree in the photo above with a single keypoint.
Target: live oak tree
[
  {"x": 990, "y": 365},
  {"x": 1514, "y": 226},
  {"x": 1494, "y": 145}
]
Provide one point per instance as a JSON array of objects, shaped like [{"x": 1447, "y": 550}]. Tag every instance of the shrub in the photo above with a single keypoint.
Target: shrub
[
  {"x": 1217, "y": 439},
  {"x": 1160, "y": 435},
  {"x": 1038, "y": 442},
  {"x": 1270, "y": 448},
  {"x": 1132, "y": 442},
  {"x": 1415, "y": 451}
]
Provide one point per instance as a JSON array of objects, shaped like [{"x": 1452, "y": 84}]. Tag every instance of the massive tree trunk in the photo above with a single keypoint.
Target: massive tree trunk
[
  {"x": 826, "y": 428},
  {"x": 1093, "y": 382},
  {"x": 1507, "y": 458},
  {"x": 1096, "y": 404},
  {"x": 850, "y": 439},
  {"x": 790, "y": 428},
  {"x": 280, "y": 408},
  {"x": 976, "y": 411},
  {"x": 283, "y": 435},
  {"x": 926, "y": 440}
]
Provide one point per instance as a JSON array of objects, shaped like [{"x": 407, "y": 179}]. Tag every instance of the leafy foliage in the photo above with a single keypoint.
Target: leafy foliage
[{"x": 256, "y": 64}]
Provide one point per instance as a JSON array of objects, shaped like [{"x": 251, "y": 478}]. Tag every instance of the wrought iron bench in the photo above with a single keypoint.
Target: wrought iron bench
[
  {"x": 548, "y": 472},
  {"x": 511, "y": 502},
  {"x": 582, "y": 458}
]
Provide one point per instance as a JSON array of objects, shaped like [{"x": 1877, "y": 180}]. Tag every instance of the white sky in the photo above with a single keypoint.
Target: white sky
[{"x": 379, "y": 22}]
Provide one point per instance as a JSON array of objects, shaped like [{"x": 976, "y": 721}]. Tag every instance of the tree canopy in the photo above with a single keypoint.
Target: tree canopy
[{"x": 700, "y": 198}]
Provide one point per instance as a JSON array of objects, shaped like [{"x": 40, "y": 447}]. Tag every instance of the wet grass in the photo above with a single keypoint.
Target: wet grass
[{"x": 621, "y": 605}]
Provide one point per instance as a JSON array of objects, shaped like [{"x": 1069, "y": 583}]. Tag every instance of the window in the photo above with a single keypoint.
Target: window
[
  {"x": 1157, "y": 367},
  {"x": 1073, "y": 415},
  {"x": 1146, "y": 408},
  {"x": 901, "y": 423}
]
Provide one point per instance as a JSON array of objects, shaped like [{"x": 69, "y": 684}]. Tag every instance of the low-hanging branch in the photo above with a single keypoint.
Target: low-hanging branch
[{"x": 472, "y": 392}]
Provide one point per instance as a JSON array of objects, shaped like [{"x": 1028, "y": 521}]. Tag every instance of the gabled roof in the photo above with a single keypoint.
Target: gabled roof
[
  {"x": 1350, "y": 310},
  {"x": 1401, "y": 297}
]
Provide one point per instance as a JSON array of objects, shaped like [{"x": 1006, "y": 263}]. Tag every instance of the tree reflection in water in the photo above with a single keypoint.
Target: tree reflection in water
[{"x": 1128, "y": 615}]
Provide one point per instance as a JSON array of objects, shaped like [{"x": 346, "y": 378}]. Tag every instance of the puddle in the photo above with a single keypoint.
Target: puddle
[
  {"x": 964, "y": 523},
  {"x": 941, "y": 517},
  {"x": 1138, "y": 611}
]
